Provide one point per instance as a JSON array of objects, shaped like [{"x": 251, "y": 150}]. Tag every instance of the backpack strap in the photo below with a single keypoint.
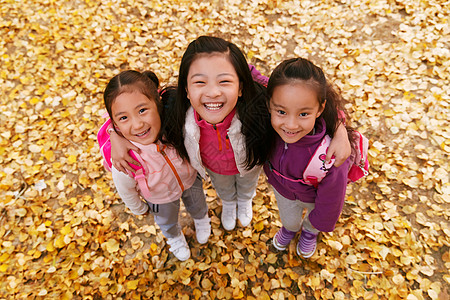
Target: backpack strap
[
  {"x": 105, "y": 144},
  {"x": 317, "y": 168},
  {"x": 140, "y": 175}
]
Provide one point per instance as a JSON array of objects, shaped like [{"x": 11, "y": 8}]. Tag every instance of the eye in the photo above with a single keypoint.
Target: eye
[
  {"x": 225, "y": 81},
  {"x": 281, "y": 112},
  {"x": 303, "y": 114},
  {"x": 199, "y": 82},
  {"x": 122, "y": 118},
  {"x": 142, "y": 110}
]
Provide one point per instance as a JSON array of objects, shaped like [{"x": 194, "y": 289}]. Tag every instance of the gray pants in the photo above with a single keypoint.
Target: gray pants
[
  {"x": 166, "y": 215},
  {"x": 291, "y": 213},
  {"x": 233, "y": 188}
]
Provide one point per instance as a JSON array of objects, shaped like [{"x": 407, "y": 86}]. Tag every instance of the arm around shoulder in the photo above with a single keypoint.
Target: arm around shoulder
[
  {"x": 127, "y": 190},
  {"x": 340, "y": 146},
  {"x": 119, "y": 152}
]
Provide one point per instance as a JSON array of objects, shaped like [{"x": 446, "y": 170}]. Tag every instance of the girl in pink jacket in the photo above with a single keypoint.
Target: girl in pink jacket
[{"x": 135, "y": 108}]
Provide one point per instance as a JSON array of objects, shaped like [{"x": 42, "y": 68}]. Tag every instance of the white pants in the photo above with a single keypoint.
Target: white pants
[{"x": 291, "y": 213}]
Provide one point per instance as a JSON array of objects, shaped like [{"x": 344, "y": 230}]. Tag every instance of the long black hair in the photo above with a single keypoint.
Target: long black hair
[{"x": 251, "y": 106}]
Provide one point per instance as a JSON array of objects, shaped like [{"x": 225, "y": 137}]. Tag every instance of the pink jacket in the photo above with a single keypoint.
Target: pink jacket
[{"x": 168, "y": 176}]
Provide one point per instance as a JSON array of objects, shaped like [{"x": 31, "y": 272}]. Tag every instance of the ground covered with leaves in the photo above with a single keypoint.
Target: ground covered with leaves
[{"x": 65, "y": 234}]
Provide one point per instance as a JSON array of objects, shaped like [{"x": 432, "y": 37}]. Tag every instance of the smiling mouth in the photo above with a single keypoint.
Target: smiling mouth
[
  {"x": 290, "y": 133},
  {"x": 213, "y": 106},
  {"x": 143, "y": 133}
]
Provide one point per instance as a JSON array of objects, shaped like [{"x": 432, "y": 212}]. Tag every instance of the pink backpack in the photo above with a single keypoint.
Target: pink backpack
[
  {"x": 317, "y": 168},
  {"x": 105, "y": 149}
]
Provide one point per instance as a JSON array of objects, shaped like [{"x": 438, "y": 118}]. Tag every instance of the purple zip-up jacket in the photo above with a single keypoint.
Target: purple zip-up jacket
[{"x": 291, "y": 161}]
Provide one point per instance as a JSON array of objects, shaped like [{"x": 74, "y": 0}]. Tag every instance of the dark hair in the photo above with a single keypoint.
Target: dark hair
[
  {"x": 302, "y": 70},
  {"x": 251, "y": 106},
  {"x": 146, "y": 83},
  {"x": 129, "y": 81}
]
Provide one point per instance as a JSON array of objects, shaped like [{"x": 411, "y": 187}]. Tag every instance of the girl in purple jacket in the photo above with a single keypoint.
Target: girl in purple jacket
[{"x": 304, "y": 108}]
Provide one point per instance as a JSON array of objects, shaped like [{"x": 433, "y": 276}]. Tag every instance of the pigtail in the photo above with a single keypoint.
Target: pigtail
[
  {"x": 168, "y": 96},
  {"x": 152, "y": 77},
  {"x": 332, "y": 106},
  {"x": 335, "y": 113}
]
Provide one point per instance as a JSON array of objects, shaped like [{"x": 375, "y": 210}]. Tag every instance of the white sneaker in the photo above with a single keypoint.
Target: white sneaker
[
  {"x": 228, "y": 215},
  {"x": 203, "y": 229},
  {"x": 179, "y": 247},
  {"x": 245, "y": 212}
]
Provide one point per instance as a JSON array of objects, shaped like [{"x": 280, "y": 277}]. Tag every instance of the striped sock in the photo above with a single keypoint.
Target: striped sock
[
  {"x": 307, "y": 243},
  {"x": 282, "y": 238}
]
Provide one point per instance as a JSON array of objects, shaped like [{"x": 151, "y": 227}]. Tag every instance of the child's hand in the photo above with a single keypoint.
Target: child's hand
[
  {"x": 119, "y": 153},
  {"x": 339, "y": 147}
]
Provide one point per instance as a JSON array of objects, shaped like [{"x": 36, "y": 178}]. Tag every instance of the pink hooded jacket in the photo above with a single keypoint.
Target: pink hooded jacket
[{"x": 167, "y": 177}]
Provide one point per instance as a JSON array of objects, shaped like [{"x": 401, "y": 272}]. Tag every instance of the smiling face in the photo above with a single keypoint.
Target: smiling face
[
  {"x": 213, "y": 87},
  {"x": 137, "y": 117},
  {"x": 293, "y": 110}
]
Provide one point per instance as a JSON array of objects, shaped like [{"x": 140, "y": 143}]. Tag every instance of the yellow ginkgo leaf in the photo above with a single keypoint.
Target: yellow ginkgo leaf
[
  {"x": 132, "y": 284},
  {"x": 112, "y": 245}
]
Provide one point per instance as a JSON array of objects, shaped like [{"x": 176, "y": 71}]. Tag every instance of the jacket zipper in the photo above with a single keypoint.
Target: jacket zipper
[
  {"x": 282, "y": 157},
  {"x": 218, "y": 137},
  {"x": 172, "y": 167},
  {"x": 227, "y": 141}
]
